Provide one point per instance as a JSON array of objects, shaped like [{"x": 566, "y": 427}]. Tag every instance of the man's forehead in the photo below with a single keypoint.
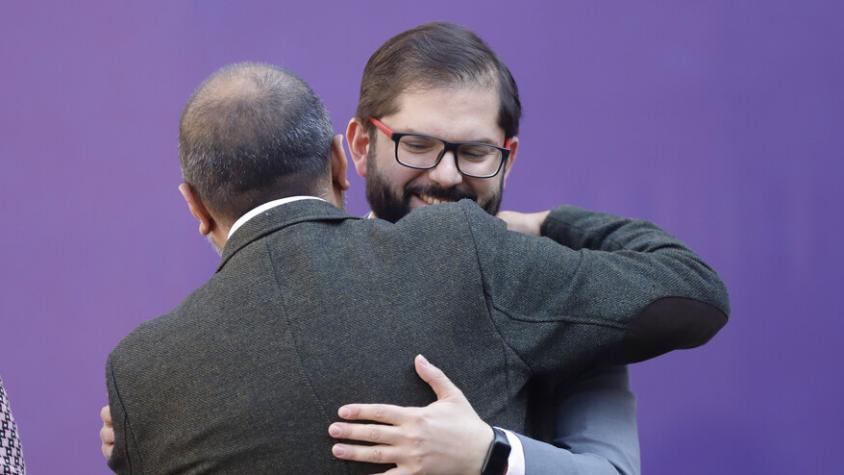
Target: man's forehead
[{"x": 458, "y": 113}]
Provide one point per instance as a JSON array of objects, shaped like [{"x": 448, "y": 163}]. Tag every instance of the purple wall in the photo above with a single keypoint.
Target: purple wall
[{"x": 721, "y": 121}]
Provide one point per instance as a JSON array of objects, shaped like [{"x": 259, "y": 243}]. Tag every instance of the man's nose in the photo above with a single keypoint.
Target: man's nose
[{"x": 445, "y": 174}]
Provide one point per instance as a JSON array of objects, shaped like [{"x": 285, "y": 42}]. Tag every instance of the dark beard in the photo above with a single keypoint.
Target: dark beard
[{"x": 390, "y": 207}]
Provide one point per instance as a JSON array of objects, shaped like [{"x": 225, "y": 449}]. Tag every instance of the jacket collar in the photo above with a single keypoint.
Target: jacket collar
[{"x": 277, "y": 218}]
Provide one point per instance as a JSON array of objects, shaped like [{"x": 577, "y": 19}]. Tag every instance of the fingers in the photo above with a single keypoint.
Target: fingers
[
  {"x": 105, "y": 415},
  {"x": 439, "y": 382},
  {"x": 376, "y": 433},
  {"x": 106, "y": 450},
  {"x": 384, "y": 413},
  {"x": 106, "y": 433},
  {"x": 509, "y": 217},
  {"x": 107, "y": 436},
  {"x": 371, "y": 454},
  {"x": 107, "y": 441},
  {"x": 525, "y": 223}
]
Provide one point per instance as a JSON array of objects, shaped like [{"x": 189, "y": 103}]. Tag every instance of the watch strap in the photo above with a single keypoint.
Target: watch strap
[{"x": 498, "y": 455}]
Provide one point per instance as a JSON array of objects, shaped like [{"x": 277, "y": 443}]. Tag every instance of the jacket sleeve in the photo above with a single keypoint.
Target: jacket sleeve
[
  {"x": 566, "y": 306},
  {"x": 595, "y": 429},
  {"x": 125, "y": 458}
]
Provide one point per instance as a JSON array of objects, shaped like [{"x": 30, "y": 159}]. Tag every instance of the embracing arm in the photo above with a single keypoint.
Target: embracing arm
[
  {"x": 618, "y": 290},
  {"x": 447, "y": 436},
  {"x": 444, "y": 437},
  {"x": 586, "y": 305},
  {"x": 595, "y": 430}
]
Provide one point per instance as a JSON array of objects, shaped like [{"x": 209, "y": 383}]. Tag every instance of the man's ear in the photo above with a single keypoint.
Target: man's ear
[
  {"x": 513, "y": 144},
  {"x": 197, "y": 208},
  {"x": 358, "y": 141},
  {"x": 339, "y": 164}
]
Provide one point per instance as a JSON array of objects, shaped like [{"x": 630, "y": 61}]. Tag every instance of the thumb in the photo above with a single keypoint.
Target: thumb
[{"x": 439, "y": 382}]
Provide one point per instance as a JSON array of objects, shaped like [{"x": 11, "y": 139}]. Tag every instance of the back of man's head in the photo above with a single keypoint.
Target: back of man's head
[
  {"x": 435, "y": 55},
  {"x": 252, "y": 133}
]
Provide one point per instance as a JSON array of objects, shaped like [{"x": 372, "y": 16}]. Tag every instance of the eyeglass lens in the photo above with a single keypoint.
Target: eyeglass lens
[{"x": 477, "y": 160}]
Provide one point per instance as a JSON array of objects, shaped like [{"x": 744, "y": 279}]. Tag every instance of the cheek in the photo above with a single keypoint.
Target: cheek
[
  {"x": 483, "y": 188},
  {"x": 399, "y": 176},
  {"x": 390, "y": 172}
]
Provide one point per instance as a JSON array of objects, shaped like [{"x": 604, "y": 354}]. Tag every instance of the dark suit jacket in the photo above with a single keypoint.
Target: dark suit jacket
[{"x": 311, "y": 309}]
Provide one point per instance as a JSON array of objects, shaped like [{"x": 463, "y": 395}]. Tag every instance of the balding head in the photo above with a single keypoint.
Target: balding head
[{"x": 252, "y": 133}]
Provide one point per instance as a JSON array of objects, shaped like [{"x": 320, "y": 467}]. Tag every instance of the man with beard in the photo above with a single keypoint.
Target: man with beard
[
  {"x": 432, "y": 101},
  {"x": 310, "y": 307},
  {"x": 430, "y": 171}
]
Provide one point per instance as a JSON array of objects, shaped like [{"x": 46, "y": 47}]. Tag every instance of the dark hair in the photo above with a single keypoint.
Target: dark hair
[
  {"x": 431, "y": 55},
  {"x": 252, "y": 133}
]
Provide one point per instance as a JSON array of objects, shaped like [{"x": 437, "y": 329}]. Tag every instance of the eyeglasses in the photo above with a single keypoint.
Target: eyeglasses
[{"x": 473, "y": 159}]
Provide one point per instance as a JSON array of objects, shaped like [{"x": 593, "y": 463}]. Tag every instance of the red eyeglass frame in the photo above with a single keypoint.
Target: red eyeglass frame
[{"x": 449, "y": 146}]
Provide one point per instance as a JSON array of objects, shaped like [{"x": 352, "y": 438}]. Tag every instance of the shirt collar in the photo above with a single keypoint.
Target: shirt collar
[{"x": 265, "y": 207}]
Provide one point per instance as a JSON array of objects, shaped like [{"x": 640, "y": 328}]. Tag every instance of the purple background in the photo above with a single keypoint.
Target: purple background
[{"x": 721, "y": 121}]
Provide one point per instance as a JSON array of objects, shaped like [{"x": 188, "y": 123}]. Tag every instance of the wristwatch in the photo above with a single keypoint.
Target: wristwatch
[{"x": 497, "y": 455}]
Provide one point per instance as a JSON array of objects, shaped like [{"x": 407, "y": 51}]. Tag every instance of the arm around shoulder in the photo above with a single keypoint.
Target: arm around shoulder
[
  {"x": 685, "y": 320},
  {"x": 620, "y": 289}
]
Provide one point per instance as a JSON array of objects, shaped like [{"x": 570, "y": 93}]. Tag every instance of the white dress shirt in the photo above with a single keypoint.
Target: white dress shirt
[{"x": 266, "y": 207}]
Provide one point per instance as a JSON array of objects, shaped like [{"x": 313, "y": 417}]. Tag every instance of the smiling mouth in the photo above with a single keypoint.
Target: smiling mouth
[{"x": 427, "y": 199}]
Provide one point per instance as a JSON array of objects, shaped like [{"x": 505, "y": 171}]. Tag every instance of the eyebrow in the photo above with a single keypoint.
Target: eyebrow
[{"x": 483, "y": 140}]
